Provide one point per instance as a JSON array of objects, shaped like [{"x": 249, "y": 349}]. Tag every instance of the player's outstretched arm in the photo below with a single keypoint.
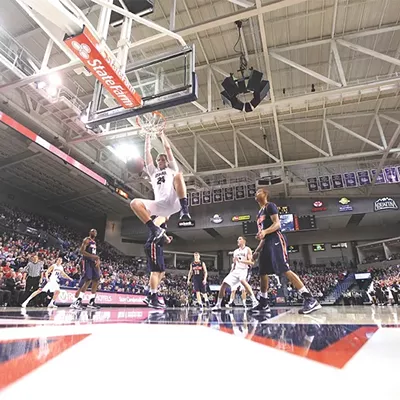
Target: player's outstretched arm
[
  {"x": 147, "y": 151},
  {"x": 168, "y": 151},
  {"x": 66, "y": 276}
]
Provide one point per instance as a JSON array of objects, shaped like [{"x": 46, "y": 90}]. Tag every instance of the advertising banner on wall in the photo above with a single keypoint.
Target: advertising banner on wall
[
  {"x": 251, "y": 190},
  {"x": 363, "y": 177},
  {"x": 325, "y": 182},
  {"x": 312, "y": 184},
  {"x": 337, "y": 181},
  {"x": 228, "y": 194},
  {"x": 207, "y": 197},
  {"x": 195, "y": 199},
  {"x": 350, "y": 179},
  {"x": 67, "y": 296},
  {"x": 217, "y": 195},
  {"x": 380, "y": 179},
  {"x": 240, "y": 192}
]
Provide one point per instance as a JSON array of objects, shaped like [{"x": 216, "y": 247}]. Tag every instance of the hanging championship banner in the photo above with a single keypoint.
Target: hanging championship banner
[
  {"x": 350, "y": 179},
  {"x": 337, "y": 181},
  {"x": 217, "y": 195},
  {"x": 251, "y": 190},
  {"x": 325, "y": 182},
  {"x": 363, "y": 177},
  {"x": 228, "y": 194},
  {"x": 391, "y": 175},
  {"x": 206, "y": 197},
  {"x": 195, "y": 198},
  {"x": 312, "y": 184},
  {"x": 380, "y": 179},
  {"x": 240, "y": 192}
]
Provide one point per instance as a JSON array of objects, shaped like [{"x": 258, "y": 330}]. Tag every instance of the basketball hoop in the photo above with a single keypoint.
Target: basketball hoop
[{"x": 152, "y": 123}]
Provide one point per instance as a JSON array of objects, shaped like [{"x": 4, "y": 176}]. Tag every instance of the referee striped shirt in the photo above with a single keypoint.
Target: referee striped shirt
[{"x": 33, "y": 269}]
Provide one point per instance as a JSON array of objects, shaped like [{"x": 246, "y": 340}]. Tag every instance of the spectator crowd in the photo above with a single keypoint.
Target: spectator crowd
[{"x": 24, "y": 235}]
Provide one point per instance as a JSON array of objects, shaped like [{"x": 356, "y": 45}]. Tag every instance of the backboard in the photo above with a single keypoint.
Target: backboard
[{"x": 163, "y": 81}]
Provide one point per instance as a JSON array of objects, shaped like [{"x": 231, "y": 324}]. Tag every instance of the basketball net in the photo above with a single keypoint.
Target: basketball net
[{"x": 152, "y": 123}]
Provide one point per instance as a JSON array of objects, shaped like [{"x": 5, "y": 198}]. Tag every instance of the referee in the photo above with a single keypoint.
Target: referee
[{"x": 33, "y": 273}]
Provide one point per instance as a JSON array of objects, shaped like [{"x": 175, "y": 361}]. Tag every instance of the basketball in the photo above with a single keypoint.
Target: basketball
[{"x": 135, "y": 165}]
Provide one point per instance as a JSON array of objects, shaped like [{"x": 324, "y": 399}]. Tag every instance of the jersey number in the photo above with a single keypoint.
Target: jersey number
[{"x": 160, "y": 180}]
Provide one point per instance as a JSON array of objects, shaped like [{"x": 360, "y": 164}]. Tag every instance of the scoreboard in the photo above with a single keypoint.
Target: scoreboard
[
  {"x": 307, "y": 222},
  {"x": 301, "y": 223}
]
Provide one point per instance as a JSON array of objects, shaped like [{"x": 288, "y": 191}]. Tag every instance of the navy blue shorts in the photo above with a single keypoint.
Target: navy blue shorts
[
  {"x": 198, "y": 285},
  {"x": 273, "y": 258},
  {"x": 89, "y": 272},
  {"x": 155, "y": 257}
]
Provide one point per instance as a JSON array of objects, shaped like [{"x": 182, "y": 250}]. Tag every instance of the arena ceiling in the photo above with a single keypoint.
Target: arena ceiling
[{"x": 333, "y": 66}]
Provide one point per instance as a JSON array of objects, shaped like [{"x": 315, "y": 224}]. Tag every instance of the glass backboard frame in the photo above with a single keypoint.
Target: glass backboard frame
[{"x": 183, "y": 94}]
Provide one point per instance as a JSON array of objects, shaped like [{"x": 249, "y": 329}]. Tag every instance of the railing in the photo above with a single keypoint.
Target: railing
[{"x": 12, "y": 51}]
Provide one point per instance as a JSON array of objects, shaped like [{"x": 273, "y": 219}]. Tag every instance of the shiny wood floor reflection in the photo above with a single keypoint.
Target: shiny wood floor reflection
[{"x": 332, "y": 345}]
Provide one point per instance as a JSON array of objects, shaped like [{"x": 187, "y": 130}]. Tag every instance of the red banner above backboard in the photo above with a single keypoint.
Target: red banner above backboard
[{"x": 104, "y": 67}]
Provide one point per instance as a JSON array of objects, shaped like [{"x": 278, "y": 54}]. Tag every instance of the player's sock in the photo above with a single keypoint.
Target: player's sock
[
  {"x": 80, "y": 297},
  {"x": 264, "y": 295},
  {"x": 253, "y": 298},
  {"x": 153, "y": 291},
  {"x": 184, "y": 205},
  {"x": 219, "y": 302},
  {"x": 152, "y": 226},
  {"x": 28, "y": 299},
  {"x": 304, "y": 292}
]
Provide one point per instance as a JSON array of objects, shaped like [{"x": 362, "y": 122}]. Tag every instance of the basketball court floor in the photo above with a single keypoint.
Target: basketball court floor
[{"x": 337, "y": 352}]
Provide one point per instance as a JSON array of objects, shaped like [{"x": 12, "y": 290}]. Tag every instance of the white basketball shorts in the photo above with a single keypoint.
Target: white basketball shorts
[
  {"x": 51, "y": 286},
  {"x": 233, "y": 278},
  {"x": 165, "y": 207}
]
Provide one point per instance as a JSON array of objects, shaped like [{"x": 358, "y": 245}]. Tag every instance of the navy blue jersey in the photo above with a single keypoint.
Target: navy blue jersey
[
  {"x": 91, "y": 249},
  {"x": 264, "y": 220},
  {"x": 198, "y": 272}
]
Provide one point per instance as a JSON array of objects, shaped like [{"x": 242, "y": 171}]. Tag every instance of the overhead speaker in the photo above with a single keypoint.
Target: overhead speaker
[
  {"x": 248, "y": 107},
  {"x": 230, "y": 86},
  {"x": 225, "y": 98},
  {"x": 260, "y": 95},
  {"x": 237, "y": 104},
  {"x": 242, "y": 86},
  {"x": 254, "y": 83}
]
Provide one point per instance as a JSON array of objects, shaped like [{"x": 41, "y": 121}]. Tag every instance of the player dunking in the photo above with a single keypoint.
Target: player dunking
[
  {"x": 90, "y": 271},
  {"x": 199, "y": 272},
  {"x": 242, "y": 260},
  {"x": 169, "y": 190},
  {"x": 273, "y": 258},
  {"x": 52, "y": 285}
]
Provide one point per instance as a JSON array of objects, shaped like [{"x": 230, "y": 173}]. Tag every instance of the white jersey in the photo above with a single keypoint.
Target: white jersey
[
  {"x": 241, "y": 255},
  {"x": 56, "y": 273},
  {"x": 162, "y": 180}
]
